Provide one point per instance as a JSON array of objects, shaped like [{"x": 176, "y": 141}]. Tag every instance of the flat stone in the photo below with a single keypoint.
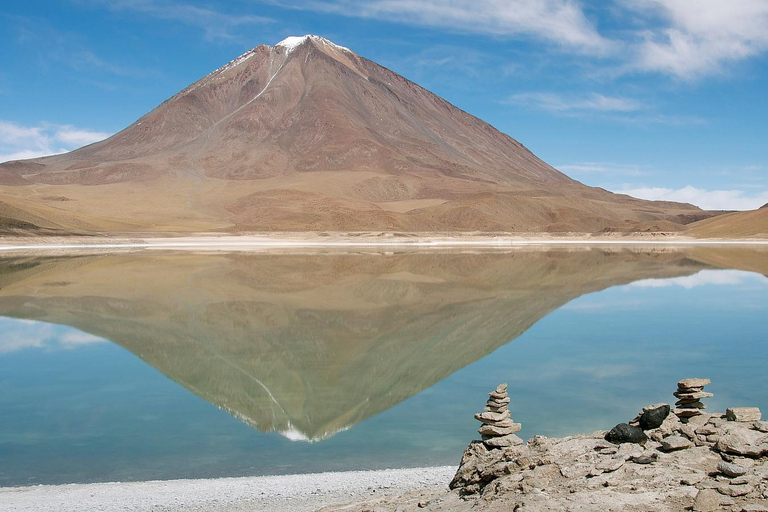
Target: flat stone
[
  {"x": 503, "y": 423},
  {"x": 686, "y": 413},
  {"x": 707, "y": 430},
  {"x": 499, "y": 401},
  {"x": 492, "y": 430},
  {"x": 693, "y": 396},
  {"x": 492, "y": 416},
  {"x": 495, "y": 409},
  {"x": 673, "y": 443},
  {"x": 743, "y": 414},
  {"x": 740, "y": 443},
  {"x": 501, "y": 388},
  {"x": 693, "y": 478},
  {"x": 693, "y": 383},
  {"x": 730, "y": 469},
  {"x": 707, "y": 500},
  {"x": 687, "y": 404},
  {"x": 645, "y": 458},
  {"x": 498, "y": 396},
  {"x": 653, "y": 418},
  {"x": 503, "y": 441},
  {"x": 761, "y": 426},
  {"x": 623, "y": 433}
]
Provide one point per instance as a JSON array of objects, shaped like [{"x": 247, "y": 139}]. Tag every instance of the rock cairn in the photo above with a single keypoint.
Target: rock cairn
[
  {"x": 689, "y": 394},
  {"x": 498, "y": 429}
]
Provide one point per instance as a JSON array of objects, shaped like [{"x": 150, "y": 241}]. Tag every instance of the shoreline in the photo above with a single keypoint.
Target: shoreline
[
  {"x": 281, "y": 493},
  {"x": 276, "y": 241}
]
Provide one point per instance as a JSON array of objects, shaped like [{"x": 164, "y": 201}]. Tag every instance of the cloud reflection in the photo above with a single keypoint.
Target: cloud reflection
[{"x": 21, "y": 335}]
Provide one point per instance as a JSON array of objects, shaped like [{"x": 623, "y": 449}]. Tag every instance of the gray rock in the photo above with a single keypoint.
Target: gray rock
[
  {"x": 743, "y": 414},
  {"x": 610, "y": 465},
  {"x": 501, "y": 388},
  {"x": 761, "y": 426},
  {"x": 730, "y": 469},
  {"x": 742, "y": 443},
  {"x": 645, "y": 458},
  {"x": 707, "y": 500},
  {"x": 673, "y": 443}
]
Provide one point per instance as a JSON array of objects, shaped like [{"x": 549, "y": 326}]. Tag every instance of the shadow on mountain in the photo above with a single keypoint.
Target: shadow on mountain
[{"x": 311, "y": 344}]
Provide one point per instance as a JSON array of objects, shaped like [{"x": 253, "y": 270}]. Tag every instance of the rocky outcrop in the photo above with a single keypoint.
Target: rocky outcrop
[{"x": 699, "y": 462}]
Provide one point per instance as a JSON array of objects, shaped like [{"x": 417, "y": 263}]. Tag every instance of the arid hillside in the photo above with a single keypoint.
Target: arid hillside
[
  {"x": 307, "y": 136},
  {"x": 751, "y": 224}
]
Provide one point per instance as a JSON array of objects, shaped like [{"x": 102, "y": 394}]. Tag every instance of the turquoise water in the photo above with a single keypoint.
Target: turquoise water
[{"x": 584, "y": 341}]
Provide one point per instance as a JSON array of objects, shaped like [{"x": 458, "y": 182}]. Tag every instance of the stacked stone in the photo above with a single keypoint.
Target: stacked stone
[
  {"x": 689, "y": 393},
  {"x": 498, "y": 429}
]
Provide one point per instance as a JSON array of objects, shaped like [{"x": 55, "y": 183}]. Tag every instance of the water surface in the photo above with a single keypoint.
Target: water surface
[{"x": 146, "y": 366}]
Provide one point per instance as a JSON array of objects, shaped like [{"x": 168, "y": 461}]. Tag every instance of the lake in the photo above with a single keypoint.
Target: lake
[{"x": 138, "y": 366}]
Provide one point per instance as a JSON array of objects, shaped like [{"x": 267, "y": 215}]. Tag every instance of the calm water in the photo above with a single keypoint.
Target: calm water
[{"x": 139, "y": 366}]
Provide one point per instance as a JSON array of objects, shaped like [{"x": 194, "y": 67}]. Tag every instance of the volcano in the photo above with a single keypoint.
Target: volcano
[{"x": 306, "y": 135}]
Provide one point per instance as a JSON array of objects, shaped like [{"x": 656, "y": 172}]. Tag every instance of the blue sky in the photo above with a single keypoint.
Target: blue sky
[{"x": 665, "y": 99}]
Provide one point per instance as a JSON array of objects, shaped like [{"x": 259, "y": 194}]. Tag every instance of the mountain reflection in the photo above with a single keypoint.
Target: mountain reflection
[{"x": 311, "y": 344}]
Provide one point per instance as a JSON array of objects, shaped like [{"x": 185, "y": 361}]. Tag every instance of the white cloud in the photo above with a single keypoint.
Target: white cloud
[
  {"x": 706, "y": 199},
  {"x": 18, "y": 142},
  {"x": 592, "y": 102},
  {"x": 704, "y": 278},
  {"x": 562, "y": 22},
  {"x": 25, "y": 334},
  {"x": 699, "y": 37}
]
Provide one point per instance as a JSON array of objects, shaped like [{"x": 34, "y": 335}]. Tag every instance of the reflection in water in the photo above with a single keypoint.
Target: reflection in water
[{"x": 312, "y": 344}]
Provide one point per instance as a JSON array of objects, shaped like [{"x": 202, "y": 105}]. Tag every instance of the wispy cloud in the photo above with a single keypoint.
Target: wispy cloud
[
  {"x": 558, "y": 103},
  {"x": 561, "y": 22},
  {"x": 215, "y": 24},
  {"x": 699, "y": 37},
  {"x": 18, "y": 142},
  {"x": 706, "y": 199},
  {"x": 609, "y": 168}
]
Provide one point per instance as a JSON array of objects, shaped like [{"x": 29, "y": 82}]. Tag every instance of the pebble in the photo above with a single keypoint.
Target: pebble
[{"x": 730, "y": 469}]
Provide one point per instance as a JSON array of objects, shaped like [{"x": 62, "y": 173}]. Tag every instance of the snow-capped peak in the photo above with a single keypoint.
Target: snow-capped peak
[{"x": 293, "y": 42}]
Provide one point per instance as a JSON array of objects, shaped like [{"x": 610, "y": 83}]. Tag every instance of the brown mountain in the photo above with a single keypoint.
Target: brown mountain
[
  {"x": 307, "y": 135},
  {"x": 750, "y": 224}
]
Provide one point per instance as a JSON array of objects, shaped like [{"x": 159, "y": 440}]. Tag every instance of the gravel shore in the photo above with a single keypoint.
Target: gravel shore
[{"x": 295, "y": 493}]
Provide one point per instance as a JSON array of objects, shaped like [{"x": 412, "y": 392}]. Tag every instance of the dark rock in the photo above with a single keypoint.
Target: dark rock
[
  {"x": 623, "y": 433},
  {"x": 654, "y": 418}
]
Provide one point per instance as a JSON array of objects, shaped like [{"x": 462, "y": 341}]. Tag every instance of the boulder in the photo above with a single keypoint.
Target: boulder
[
  {"x": 743, "y": 414},
  {"x": 653, "y": 418},
  {"x": 624, "y": 433}
]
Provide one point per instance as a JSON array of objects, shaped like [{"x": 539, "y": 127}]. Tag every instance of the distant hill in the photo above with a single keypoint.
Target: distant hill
[
  {"x": 305, "y": 136},
  {"x": 750, "y": 224}
]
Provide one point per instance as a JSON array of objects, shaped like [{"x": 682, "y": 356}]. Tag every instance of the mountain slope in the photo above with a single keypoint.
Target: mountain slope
[
  {"x": 307, "y": 135},
  {"x": 750, "y": 224}
]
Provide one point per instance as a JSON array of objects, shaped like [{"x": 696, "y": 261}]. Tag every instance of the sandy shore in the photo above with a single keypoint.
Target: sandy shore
[
  {"x": 295, "y": 493},
  {"x": 288, "y": 241}
]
